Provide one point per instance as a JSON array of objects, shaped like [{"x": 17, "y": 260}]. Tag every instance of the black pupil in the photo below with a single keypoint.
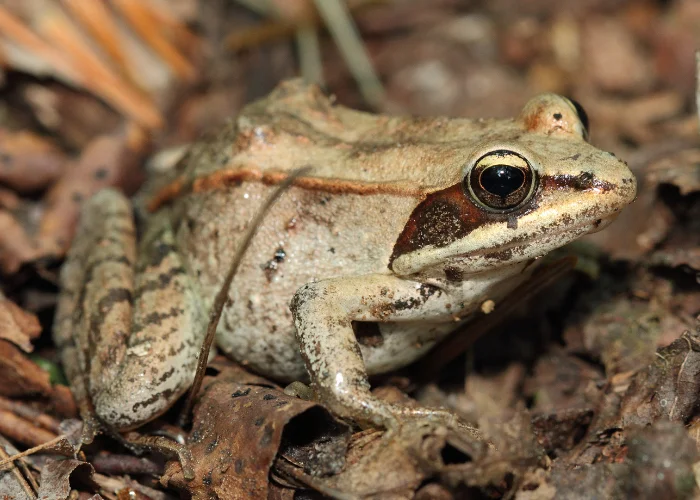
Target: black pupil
[{"x": 502, "y": 180}]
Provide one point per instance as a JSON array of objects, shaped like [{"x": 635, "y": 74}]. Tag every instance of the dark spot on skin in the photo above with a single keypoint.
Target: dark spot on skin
[
  {"x": 573, "y": 157},
  {"x": 259, "y": 421},
  {"x": 502, "y": 256},
  {"x": 512, "y": 222},
  {"x": 272, "y": 265},
  {"x": 269, "y": 397},
  {"x": 160, "y": 282},
  {"x": 331, "y": 250},
  {"x": 266, "y": 438},
  {"x": 240, "y": 393},
  {"x": 557, "y": 116},
  {"x": 164, "y": 395},
  {"x": 427, "y": 291},
  {"x": 90, "y": 270},
  {"x": 156, "y": 318},
  {"x": 581, "y": 182},
  {"x": 101, "y": 173},
  {"x": 280, "y": 404},
  {"x": 367, "y": 333},
  {"x": 453, "y": 275},
  {"x": 402, "y": 305},
  {"x": 238, "y": 465},
  {"x": 159, "y": 252},
  {"x": 166, "y": 375},
  {"x": 77, "y": 197},
  {"x": 114, "y": 296}
]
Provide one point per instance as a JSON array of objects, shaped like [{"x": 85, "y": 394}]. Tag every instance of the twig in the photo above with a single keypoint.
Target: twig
[
  {"x": 222, "y": 295},
  {"x": 31, "y": 451},
  {"x": 29, "y": 490}
]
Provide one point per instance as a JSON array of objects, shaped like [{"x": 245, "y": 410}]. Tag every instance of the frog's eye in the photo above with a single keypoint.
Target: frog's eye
[
  {"x": 583, "y": 116},
  {"x": 501, "y": 180}
]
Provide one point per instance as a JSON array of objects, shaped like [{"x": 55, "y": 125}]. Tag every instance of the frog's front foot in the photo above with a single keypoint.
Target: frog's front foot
[
  {"x": 323, "y": 314},
  {"x": 369, "y": 411}
]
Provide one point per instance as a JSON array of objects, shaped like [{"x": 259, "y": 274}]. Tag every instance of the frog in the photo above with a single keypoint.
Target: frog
[{"x": 397, "y": 232}]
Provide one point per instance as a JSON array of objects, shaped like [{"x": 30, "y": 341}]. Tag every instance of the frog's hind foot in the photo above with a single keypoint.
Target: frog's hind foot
[{"x": 167, "y": 446}]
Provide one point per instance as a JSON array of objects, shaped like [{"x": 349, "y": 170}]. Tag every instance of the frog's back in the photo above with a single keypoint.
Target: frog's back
[{"x": 348, "y": 151}]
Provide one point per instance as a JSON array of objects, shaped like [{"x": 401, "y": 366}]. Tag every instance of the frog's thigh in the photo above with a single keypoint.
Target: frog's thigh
[
  {"x": 136, "y": 328},
  {"x": 323, "y": 314}
]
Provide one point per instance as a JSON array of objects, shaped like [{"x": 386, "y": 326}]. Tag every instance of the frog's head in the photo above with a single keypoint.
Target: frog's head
[{"x": 537, "y": 186}]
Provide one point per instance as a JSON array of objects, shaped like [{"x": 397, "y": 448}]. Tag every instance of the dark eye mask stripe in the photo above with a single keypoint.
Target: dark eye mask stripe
[{"x": 448, "y": 215}]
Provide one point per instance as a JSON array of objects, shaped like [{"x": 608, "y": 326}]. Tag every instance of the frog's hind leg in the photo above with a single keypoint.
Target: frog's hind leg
[{"x": 128, "y": 327}]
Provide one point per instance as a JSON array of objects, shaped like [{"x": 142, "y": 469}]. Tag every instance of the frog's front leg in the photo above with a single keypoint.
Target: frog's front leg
[
  {"x": 323, "y": 315},
  {"x": 129, "y": 323}
]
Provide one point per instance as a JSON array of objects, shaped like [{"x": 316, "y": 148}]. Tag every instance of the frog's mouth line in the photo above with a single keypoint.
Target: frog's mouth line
[{"x": 580, "y": 230}]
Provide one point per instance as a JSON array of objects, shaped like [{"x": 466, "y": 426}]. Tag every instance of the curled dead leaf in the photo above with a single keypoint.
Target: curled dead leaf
[
  {"x": 237, "y": 430},
  {"x": 58, "y": 474}
]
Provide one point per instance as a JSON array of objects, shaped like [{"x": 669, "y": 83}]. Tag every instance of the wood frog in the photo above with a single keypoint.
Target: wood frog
[{"x": 400, "y": 230}]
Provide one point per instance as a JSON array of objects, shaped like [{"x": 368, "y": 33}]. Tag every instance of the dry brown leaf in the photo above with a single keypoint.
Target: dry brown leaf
[
  {"x": 15, "y": 245},
  {"x": 57, "y": 475},
  {"x": 237, "y": 430},
  {"x": 17, "y": 325},
  {"x": 28, "y": 162},
  {"x": 110, "y": 160},
  {"x": 20, "y": 375},
  {"x": 668, "y": 388}
]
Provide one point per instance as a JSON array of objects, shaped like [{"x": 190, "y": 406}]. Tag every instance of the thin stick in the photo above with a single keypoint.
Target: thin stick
[
  {"x": 30, "y": 490},
  {"x": 222, "y": 296},
  {"x": 31, "y": 451}
]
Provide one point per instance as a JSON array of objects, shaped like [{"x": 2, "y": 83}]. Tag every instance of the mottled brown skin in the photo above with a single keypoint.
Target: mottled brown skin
[{"x": 360, "y": 268}]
